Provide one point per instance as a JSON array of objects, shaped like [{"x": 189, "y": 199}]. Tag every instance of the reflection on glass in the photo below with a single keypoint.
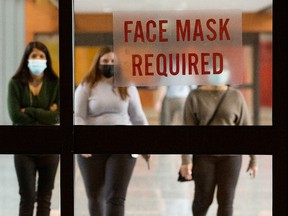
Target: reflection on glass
[{"x": 170, "y": 103}]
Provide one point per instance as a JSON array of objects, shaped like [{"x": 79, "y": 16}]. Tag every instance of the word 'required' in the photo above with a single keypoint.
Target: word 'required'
[{"x": 169, "y": 64}]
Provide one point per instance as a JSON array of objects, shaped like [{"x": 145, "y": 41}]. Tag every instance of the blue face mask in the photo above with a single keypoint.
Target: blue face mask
[
  {"x": 37, "y": 66},
  {"x": 219, "y": 79}
]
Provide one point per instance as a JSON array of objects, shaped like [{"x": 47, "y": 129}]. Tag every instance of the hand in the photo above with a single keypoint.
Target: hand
[
  {"x": 53, "y": 107},
  {"x": 86, "y": 155},
  {"x": 252, "y": 170},
  {"x": 186, "y": 171},
  {"x": 147, "y": 156}
]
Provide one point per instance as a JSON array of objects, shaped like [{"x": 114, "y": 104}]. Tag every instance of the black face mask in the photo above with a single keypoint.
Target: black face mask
[{"x": 107, "y": 70}]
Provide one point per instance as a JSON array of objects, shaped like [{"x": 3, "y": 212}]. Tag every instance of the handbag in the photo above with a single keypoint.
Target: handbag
[{"x": 183, "y": 179}]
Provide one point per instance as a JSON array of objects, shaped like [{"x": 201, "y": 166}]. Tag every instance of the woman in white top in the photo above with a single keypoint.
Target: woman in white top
[{"x": 98, "y": 102}]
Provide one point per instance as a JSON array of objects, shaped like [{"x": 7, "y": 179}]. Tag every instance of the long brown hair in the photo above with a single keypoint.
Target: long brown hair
[{"x": 94, "y": 75}]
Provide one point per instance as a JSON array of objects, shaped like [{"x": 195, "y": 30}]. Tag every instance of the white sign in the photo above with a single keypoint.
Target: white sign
[{"x": 178, "y": 47}]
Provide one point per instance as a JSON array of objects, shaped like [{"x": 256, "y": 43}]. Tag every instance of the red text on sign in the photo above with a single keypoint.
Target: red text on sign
[
  {"x": 186, "y": 30},
  {"x": 140, "y": 31},
  {"x": 169, "y": 64}
]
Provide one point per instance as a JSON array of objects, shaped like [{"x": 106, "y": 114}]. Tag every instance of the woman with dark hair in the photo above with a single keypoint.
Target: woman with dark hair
[
  {"x": 33, "y": 92},
  {"x": 33, "y": 99},
  {"x": 216, "y": 104},
  {"x": 214, "y": 173},
  {"x": 98, "y": 102}
]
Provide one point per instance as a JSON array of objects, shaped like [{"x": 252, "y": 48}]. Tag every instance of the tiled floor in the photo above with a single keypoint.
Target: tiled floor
[{"x": 156, "y": 192}]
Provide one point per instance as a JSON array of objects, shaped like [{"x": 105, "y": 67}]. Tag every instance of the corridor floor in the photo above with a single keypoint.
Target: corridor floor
[{"x": 156, "y": 192}]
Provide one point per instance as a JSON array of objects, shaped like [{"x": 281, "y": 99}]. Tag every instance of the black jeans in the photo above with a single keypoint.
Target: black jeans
[
  {"x": 106, "y": 179},
  {"x": 209, "y": 172},
  {"x": 27, "y": 166}
]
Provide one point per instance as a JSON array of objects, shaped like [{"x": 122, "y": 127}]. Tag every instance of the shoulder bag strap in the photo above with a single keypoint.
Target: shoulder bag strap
[{"x": 217, "y": 108}]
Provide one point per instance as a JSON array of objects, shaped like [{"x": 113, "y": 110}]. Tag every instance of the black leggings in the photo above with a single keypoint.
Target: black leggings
[
  {"x": 212, "y": 171},
  {"x": 27, "y": 167},
  {"x": 106, "y": 178}
]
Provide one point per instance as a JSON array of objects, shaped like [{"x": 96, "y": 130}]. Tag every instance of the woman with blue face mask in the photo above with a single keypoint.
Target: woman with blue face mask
[
  {"x": 33, "y": 99},
  {"x": 33, "y": 92}
]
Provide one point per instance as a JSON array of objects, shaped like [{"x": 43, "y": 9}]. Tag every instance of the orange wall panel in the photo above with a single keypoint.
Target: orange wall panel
[
  {"x": 93, "y": 23},
  {"x": 41, "y": 17},
  {"x": 257, "y": 22},
  {"x": 251, "y": 22},
  {"x": 84, "y": 57}
]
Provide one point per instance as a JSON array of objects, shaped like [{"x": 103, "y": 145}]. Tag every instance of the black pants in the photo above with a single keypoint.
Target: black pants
[
  {"x": 215, "y": 171},
  {"x": 27, "y": 166},
  {"x": 106, "y": 179}
]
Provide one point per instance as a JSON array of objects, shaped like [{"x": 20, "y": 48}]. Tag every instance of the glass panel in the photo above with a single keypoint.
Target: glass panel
[
  {"x": 178, "y": 47},
  {"x": 32, "y": 91},
  {"x": 157, "y": 191},
  {"x": 94, "y": 29},
  {"x": 9, "y": 196}
]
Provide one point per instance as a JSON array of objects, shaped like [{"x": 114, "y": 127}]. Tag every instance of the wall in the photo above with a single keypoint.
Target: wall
[
  {"x": 41, "y": 17},
  {"x": 42, "y": 23},
  {"x": 265, "y": 69},
  {"x": 11, "y": 45},
  {"x": 251, "y": 22}
]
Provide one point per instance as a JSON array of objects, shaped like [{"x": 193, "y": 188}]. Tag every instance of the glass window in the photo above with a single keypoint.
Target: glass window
[
  {"x": 36, "y": 103},
  {"x": 94, "y": 28}
]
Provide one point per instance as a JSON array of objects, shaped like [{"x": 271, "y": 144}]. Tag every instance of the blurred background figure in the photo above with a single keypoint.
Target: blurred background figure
[{"x": 170, "y": 103}]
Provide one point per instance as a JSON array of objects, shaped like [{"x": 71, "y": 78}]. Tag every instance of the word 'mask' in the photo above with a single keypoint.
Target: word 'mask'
[{"x": 185, "y": 30}]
